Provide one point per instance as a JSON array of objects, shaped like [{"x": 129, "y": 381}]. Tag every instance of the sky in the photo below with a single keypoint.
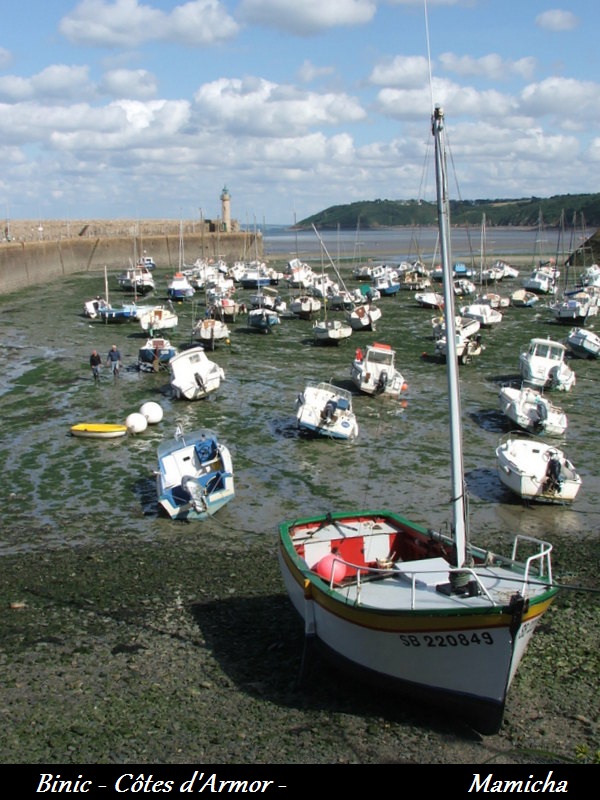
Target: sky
[{"x": 148, "y": 109}]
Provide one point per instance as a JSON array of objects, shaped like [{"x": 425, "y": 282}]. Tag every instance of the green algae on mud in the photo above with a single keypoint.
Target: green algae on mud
[{"x": 145, "y": 640}]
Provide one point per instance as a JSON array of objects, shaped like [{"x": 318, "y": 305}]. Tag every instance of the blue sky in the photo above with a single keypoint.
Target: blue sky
[{"x": 147, "y": 108}]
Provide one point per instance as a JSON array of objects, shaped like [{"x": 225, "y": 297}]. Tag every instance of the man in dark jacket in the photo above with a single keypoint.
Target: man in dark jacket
[{"x": 95, "y": 361}]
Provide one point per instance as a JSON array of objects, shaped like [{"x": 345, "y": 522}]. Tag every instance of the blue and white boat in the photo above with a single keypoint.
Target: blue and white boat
[
  {"x": 326, "y": 410},
  {"x": 156, "y": 353},
  {"x": 179, "y": 287},
  {"x": 263, "y": 319},
  {"x": 127, "y": 312},
  {"x": 195, "y": 475}
]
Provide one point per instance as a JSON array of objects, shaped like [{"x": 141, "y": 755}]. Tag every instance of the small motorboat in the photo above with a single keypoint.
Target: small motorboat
[
  {"x": 522, "y": 298},
  {"x": 485, "y": 314},
  {"x": 331, "y": 331},
  {"x": 326, "y": 410},
  {"x": 263, "y": 319},
  {"x": 210, "y": 331},
  {"x": 157, "y": 318},
  {"x": 179, "y": 287},
  {"x": 363, "y": 317},
  {"x": 156, "y": 354},
  {"x": 542, "y": 364},
  {"x": 374, "y": 372},
  {"x": 195, "y": 475},
  {"x": 583, "y": 343},
  {"x": 536, "y": 471},
  {"x": 98, "y": 430},
  {"x": 193, "y": 375},
  {"x": 532, "y": 411}
]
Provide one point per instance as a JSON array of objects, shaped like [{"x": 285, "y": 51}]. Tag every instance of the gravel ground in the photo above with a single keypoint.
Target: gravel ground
[{"x": 180, "y": 652}]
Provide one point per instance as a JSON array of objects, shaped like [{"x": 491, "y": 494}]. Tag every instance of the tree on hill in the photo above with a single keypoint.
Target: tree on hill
[{"x": 501, "y": 212}]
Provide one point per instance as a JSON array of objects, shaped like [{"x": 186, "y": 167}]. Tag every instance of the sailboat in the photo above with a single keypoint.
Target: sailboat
[
  {"x": 416, "y": 610},
  {"x": 328, "y": 330}
]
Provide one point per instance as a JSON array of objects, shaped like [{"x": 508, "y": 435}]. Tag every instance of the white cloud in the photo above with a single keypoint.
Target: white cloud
[
  {"x": 561, "y": 97},
  {"x": 257, "y": 107},
  {"x": 57, "y": 82},
  {"x": 401, "y": 71},
  {"x": 128, "y": 23},
  {"x": 557, "y": 20},
  {"x": 309, "y": 72},
  {"x": 491, "y": 66},
  {"x": 131, "y": 83},
  {"x": 307, "y": 17}
]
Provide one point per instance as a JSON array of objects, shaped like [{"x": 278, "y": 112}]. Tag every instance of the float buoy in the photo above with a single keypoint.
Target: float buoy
[
  {"x": 152, "y": 412},
  {"x": 136, "y": 423}
]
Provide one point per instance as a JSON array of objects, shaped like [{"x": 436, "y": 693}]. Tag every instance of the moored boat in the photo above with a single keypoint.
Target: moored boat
[
  {"x": 195, "y": 478},
  {"x": 536, "y": 471},
  {"x": 98, "y": 430}
]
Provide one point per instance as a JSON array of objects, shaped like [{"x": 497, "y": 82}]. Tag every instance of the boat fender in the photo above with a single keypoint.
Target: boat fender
[{"x": 199, "y": 381}]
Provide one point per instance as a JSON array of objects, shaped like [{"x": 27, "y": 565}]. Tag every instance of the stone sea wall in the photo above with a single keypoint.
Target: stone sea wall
[{"x": 24, "y": 263}]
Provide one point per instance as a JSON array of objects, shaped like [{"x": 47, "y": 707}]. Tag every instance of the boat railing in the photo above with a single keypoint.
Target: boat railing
[
  {"x": 365, "y": 573},
  {"x": 541, "y": 559}
]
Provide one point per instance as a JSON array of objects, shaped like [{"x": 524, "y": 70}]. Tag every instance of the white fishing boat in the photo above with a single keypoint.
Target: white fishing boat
[
  {"x": 466, "y": 346},
  {"x": 374, "y": 371},
  {"x": 157, "y": 318},
  {"x": 429, "y": 299},
  {"x": 331, "y": 331},
  {"x": 583, "y": 343},
  {"x": 531, "y": 411},
  {"x": 486, "y": 315},
  {"x": 193, "y": 375},
  {"x": 326, "y": 410},
  {"x": 210, "y": 332},
  {"x": 263, "y": 319},
  {"x": 194, "y": 479},
  {"x": 466, "y": 326},
  {"x": 413, "y": 609},
  {"x": 179, "y": 288},
  {"x": 542, "y": 364},
  {"x": 574, "y": 309},
  {"x": 363, "y": 317},
  {"x": 305, "y": 306},
  {"x": 521, "y": 298},
  {"x": 536, "y": 471},
  {"x": 138, "y": 280}
]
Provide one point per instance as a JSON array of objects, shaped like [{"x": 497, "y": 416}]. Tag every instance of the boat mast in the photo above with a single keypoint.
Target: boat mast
[{"x": 459, "y": 509}]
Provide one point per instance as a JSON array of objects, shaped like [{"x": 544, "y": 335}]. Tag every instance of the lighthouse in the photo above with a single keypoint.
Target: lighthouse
[{"x": 226, "y": 209}]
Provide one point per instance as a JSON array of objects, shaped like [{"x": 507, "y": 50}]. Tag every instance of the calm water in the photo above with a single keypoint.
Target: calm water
[
  {"x": 61, "y": 491},
  {"x": 406, "y": 243}
]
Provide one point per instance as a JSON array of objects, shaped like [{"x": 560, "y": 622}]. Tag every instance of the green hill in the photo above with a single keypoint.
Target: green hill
[{"x": 585, "y": 208}]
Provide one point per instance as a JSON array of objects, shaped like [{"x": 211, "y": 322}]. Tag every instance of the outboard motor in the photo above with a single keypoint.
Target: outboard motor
[
  {"x": 382, "y": 382},
  {"x": 554, "y": 477},
  {"x": 329, "y": 411}
]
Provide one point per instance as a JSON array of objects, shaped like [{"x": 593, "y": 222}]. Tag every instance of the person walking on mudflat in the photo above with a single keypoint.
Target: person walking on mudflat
[
  {"x": 95, "y": 362},
  {"x": 113, "y": 360}
]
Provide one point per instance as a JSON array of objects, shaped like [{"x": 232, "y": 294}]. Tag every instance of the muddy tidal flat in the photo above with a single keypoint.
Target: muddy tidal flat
[{"x": 128, "y": 638}]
